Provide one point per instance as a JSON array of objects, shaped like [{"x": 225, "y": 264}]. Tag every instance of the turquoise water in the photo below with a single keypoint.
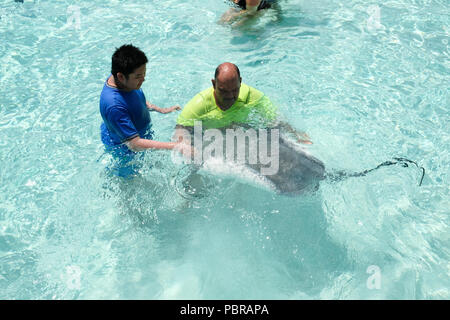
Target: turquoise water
[{"x": 366, "y": 80}]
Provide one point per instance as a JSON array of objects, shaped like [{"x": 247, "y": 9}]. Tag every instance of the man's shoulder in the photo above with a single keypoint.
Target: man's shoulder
[
  {"x": 250, "y": 88},
  {"x": 249, "y": 94},
  {"x": 201, "y": 99},
  {"x": 198, "y": 106},
  {"x": 205, "y": 94}
]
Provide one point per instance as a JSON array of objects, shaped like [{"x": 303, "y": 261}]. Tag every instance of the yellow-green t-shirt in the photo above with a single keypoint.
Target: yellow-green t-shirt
[{"x": 252, "y": 107}]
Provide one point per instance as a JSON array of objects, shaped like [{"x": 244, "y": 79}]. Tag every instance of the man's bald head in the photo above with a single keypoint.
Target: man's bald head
[
  {"x": 226, "y": 83},
  {"x": 227, "y": 70}
]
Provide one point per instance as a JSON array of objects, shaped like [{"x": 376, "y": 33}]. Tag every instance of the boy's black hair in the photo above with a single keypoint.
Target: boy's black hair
[{"x": 126, "y": 59}]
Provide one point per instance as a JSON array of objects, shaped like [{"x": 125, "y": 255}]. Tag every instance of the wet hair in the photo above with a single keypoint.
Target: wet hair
[
  {"x": 219, "y": 68},
  {"x": 126, "y": 59}
]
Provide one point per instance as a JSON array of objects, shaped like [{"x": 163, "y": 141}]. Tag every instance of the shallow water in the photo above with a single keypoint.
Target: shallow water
[{"x": 365, "y": 86}]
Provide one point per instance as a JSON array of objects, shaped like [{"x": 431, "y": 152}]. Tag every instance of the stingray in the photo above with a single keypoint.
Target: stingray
[{"x": 267, "y": 155}]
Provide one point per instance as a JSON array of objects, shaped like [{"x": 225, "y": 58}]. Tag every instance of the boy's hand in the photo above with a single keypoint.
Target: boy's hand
[
  {"x": 185, "y": 149},
  {"x": 171, "y": 109}
]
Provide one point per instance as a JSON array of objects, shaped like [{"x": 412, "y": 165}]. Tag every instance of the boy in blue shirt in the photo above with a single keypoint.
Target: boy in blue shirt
[{"x": 126, "y": 127}]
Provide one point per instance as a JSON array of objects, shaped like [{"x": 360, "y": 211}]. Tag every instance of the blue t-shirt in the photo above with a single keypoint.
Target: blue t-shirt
[{"x": 125, "y": 115}]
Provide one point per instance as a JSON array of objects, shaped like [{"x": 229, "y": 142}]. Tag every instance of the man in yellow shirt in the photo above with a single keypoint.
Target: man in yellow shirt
[{"x": 230, "y": 102}]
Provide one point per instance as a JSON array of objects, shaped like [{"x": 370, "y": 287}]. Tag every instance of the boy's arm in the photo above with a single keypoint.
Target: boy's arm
[
  {"x": 138, "y": 144},
  {"x": 153, "y": 107}
]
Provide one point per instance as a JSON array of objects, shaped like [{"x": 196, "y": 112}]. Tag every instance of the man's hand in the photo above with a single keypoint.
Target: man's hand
[{"x": 303, "y": 138}]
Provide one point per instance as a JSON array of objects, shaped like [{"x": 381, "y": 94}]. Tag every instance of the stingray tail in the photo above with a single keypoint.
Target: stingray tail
[{"x": 341, "y": 175}]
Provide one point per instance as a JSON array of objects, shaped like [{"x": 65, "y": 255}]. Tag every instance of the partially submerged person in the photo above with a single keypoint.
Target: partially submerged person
[
  {"x": 233, "y": 109},
  {"x": 252, "y": 5},
  {"x": 231, "y": 102},
  {"x": 247, "y": 8},
  {"x": 127, "y": 126}
]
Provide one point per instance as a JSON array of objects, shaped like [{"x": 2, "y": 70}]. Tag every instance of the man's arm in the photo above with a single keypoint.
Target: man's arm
[{"x": 302, "y": 137}]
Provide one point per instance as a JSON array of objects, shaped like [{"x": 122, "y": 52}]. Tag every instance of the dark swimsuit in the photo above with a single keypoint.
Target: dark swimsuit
[{"x": 265, "y": 4}]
